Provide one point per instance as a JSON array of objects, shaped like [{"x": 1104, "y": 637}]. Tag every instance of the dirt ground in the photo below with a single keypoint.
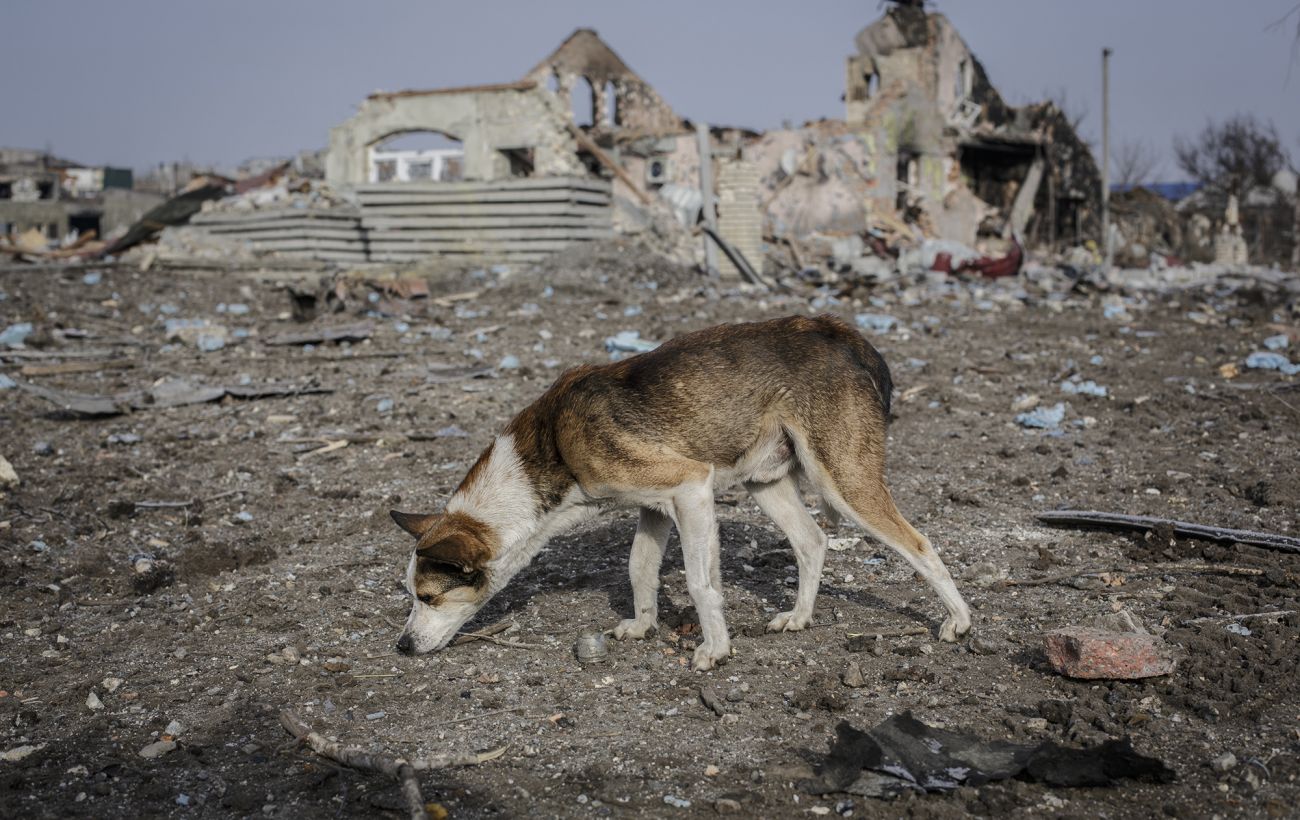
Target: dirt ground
[{"x": 279, "y": 586}]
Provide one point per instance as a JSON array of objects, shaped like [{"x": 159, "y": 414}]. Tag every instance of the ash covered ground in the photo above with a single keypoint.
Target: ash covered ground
[{"x": 278, "y": 582}]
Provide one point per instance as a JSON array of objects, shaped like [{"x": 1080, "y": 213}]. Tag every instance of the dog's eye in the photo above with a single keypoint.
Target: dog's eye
[{"x": 426, "y": 599}]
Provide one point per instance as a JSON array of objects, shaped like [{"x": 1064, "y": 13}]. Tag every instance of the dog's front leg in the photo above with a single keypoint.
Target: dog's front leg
[
  {"x": 698, "y": 527},
  {"x": 643, "y": 566}
]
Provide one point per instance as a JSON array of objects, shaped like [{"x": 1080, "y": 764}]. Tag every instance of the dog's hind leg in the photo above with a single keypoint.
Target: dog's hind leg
[
  {"x": 698, "y": 527},
  {"x": 643, "y": 566},
  {"x": 781, "y": 502},
  {"x": 871, "y": 507},
  {"x": 848, "y": 470}
]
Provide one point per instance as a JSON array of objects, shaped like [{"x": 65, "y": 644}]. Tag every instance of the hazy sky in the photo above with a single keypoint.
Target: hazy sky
[{"x": 134, "y": 82}]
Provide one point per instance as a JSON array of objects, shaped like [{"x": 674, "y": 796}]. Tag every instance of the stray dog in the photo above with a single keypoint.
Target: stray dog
[{"x": 763, "y": 404}]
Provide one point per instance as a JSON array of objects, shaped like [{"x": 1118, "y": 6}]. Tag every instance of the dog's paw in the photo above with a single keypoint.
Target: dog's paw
[
  {"x": 708, "y": 656},
  {"x": 634, "y": 628},
  {"x": 788, "y": 622},
  {"x": 954, "y": 630}
]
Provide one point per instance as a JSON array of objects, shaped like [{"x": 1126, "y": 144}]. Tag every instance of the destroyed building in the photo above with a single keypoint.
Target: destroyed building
[
  {"x": 60, "y": 200},
  {"x": 929, "y": 145},
  {"x": 582, "y": 147}
]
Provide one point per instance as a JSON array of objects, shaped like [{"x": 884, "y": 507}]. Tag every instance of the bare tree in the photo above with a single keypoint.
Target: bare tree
[
  {"x": 1135, "y": 163},
  {"x": 1235, "y": 155},
  {"x": 1075, "y": 111}
]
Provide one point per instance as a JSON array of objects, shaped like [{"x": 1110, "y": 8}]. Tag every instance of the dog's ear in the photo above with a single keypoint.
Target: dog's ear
[
  {"x": 462, "y": 550},
  {"x": 416, "y": 525}
]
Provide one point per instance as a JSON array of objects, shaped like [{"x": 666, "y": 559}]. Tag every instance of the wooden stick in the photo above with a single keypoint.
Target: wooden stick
[
  {"x": 66, "y": 368},
  {"x": 398, "y": 768},
  {"x": 891, "y": 632},
  {"x": 395, "y": 767},
  {"x": 585, "y": 143},
  {"x": 1175, "y": 569},
  {"x": 482, "y": 715},
  {"x": 1207, "y": 619},
  {"x": 482, "y": 634},
  {"x": 1088, "y": 518}
]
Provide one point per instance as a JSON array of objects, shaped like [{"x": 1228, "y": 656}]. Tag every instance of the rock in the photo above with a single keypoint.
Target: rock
[
  {"x": 19, "y": 752},
  {"x": 8, "y": 478},
  {"x": 852, "y": 676},
  {"x": 157, "y": 749},
  {"x": 93, "y": 702},
  {"x": 1225, "y": 762},
  {"x": 677, "y": 802},
  {"x": 1122, "y": 621},
  {"x": 110, "y": 684},
  {"x": 43, "y": 448},
  {"x": 1081, "y": 652},
  {"x": 726, "y": 805},
  {"x": 174, "y": 728},
  {"x": 984, "y": 645},
  {"x": 709, "y": 697},
  {"x": 985, "y": 574},
  {"x": 711, "y": 771}
]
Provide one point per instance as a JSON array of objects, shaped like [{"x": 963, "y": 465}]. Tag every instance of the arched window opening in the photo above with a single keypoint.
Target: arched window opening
[
  {"x": 582, "y": 99},
  {"x": 417, "y": 156}
]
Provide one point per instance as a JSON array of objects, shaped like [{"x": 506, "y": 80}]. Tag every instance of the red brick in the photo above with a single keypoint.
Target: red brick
[{"x": 1081, "y": 652}]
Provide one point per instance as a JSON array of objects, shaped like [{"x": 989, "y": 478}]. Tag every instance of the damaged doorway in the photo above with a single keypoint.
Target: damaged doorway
[
  {"x": 417, "y": 156},
  {"x": 994, "y": 170}
]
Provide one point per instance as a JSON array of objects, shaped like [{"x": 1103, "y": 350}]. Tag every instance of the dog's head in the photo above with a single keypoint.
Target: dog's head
[{"x": 447, "y": 577}]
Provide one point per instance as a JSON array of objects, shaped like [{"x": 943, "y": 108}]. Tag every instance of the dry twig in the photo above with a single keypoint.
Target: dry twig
[{"x": 398, "y": 768}]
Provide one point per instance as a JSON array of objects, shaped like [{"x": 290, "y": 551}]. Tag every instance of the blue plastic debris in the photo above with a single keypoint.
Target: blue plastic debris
[
  {"x": 1096, "y": 360},
  {"x": 15, "y": 335},
  {"x": 209, "y": 342},
  {"x": 1043, "y": 418},
  {"x": 384, "y": 406},
  {"x": 1272, "y": 361},
  {"x": 7, "y": 383},
  {"x": 1088, "y": 388},
  {"x": 628, "y": 341},
  {"x": 1278, "y": 342},
  {"x": 875, "y": 322},
  {"x": 508, "y": 362},
  {"x": 1114, "y": 312},
  {"x": 632, "y": 310},
  {"x": 451, "y": 431},
  {"x": 93, "y": 277}
]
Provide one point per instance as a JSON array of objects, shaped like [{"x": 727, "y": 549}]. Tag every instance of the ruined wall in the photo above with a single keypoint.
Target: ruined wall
[
  {"x": 739, "y": 219},
  {"x": 487, "y": 121},
  {"x": 637, "y": 108}
]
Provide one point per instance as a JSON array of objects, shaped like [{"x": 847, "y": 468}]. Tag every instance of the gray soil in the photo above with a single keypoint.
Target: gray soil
[{"x": 280, "y": 586}]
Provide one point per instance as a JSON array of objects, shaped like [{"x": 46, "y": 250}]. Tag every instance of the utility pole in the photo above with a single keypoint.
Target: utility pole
[
  {"x": 1105, "y": 158},
  {"x": 706, "y": 191}
]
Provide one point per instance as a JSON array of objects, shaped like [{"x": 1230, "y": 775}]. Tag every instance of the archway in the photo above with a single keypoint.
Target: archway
[
  {"x": 582, "y": 101},
  {"x": 416, "y": 156}
]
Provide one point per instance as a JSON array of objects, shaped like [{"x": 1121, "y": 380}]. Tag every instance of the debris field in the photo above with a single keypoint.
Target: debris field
[{"x": 196, "y": 539}]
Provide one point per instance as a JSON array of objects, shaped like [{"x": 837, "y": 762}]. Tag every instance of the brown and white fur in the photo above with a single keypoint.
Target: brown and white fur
[{"x": 763, "y": 404}]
